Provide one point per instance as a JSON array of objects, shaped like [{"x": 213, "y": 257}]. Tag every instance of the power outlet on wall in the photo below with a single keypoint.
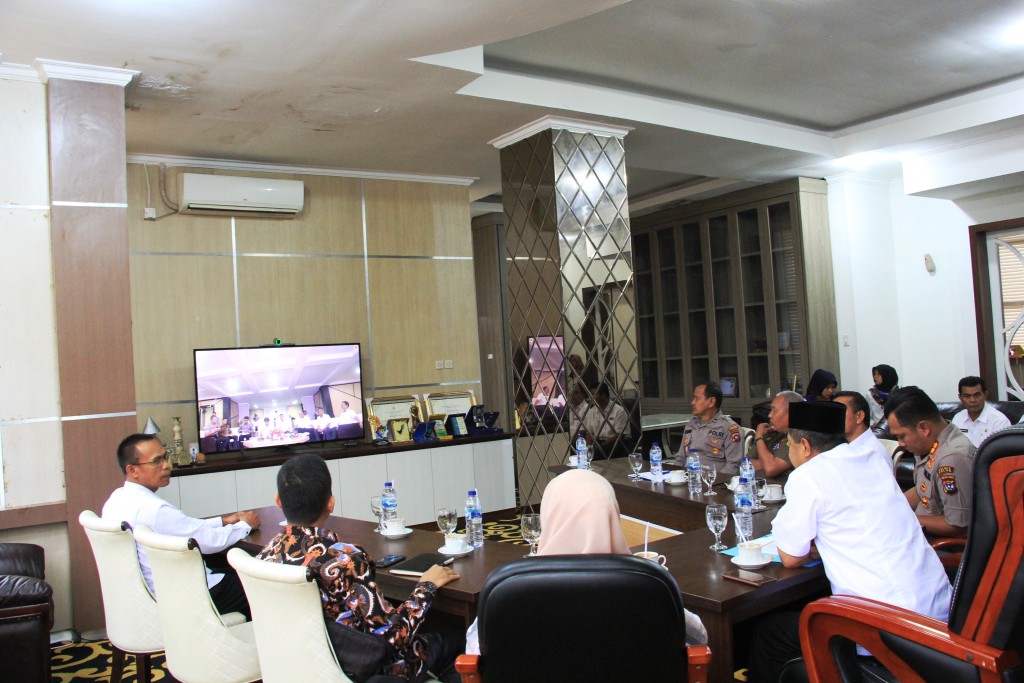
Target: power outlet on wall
[
  {"x": 439, "y": 365},
  {"x": 447, "y": 365},
  {"x": 149, "y": 213}
]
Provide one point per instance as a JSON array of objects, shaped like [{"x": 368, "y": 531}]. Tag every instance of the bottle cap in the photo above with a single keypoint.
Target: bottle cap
[
  {"x": 472, "y": 492},
  {"x": 388, "y": 484},
  {"x": 655, "y": 445}
]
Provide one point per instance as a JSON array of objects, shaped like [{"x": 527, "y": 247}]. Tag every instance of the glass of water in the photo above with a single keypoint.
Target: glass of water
[
  {"x": 636, "y": 463},
  {"x": 447, "y": 520},
  {"x": 708, "y": 474},
  {"x": 760, "y": 488},
  {"x": 717, "y": 516},
  {"x": 378, "y": 511},
  {"x": 529, "y": 527}
]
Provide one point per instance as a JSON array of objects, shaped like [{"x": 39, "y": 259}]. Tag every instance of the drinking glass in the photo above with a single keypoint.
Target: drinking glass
[
  {"x": 760, "y": 488},
  {"x": 717, "y": 516},
  {"x": 529, "y": 527},
  {"x": 447, "y": 520},
  {"x": 708, "y": 474},
  {"x": 636, "y": 462},
  {"x": 378, "y": 511}
]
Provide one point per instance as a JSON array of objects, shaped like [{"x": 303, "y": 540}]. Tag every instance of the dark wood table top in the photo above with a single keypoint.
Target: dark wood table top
[{"x": 458, "y": 597}]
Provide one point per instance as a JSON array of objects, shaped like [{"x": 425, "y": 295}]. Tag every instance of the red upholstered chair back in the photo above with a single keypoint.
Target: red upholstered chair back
[{"x": 988, "y": 595}]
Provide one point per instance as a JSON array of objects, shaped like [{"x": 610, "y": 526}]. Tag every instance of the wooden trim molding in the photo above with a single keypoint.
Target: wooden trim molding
[
  {"x": 988, "y": 364},
  {"x": 34, "y": 515}
]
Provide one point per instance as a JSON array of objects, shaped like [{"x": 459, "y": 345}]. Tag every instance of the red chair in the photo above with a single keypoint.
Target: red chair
[{"x": 984, "y": 639}]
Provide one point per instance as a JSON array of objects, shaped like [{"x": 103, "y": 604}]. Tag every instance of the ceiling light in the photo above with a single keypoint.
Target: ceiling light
[{"x": 1014, "y": 34}]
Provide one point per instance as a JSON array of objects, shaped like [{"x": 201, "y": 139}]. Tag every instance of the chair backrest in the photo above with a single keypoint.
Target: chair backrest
[
  {"x": 988, "y": 595},
  {"x": 581, "y": 618},
  {"x": 890, "y": 445},
  {"x": 288, "y": 619},
  {"x": 200, "y": 648},
  {"x": 131, "y": 613}
]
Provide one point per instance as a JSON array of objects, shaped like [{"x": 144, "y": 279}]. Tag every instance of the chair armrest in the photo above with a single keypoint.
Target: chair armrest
[
  {"x": 698, "y": 657},
  {"x": 468, "y": 667},
  {"x": 232, "y": 619},
  {"x": 862, "y": 620},
  {"x": 949, "y": 544}
]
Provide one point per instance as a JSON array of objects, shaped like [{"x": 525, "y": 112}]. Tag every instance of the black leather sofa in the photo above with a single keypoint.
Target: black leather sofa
[{"x": 26, "y": 614}]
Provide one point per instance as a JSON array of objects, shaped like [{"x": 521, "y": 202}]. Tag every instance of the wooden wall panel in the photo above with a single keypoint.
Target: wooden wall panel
[
  {"x": 176, "y": 233},
  {"x": 87, "y": 149},
  {"x": 302, "y": 300},
  {"x": 331, "y": 223},
  {"x": 178, "y": 304},
  {"x": 423, "y": 310},
  {"x": 405, "y": 218},
  {"x": 93, "y": 304}
]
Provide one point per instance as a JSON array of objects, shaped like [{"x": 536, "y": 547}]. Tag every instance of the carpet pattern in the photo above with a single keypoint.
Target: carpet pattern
[{"x": 90, "y": 661}]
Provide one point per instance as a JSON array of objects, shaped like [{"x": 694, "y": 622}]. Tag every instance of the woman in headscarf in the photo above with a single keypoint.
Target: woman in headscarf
[
  {"x": 580, "y": 516},
  {"x": 821, "y": 387},
  {"x": 886, "y": 380}
]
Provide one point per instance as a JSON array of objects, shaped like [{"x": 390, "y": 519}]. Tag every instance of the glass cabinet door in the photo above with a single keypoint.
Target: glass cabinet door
[
  {"x": 671, "y": 318},
  {"x": 724, "y": 296},
  {"x": 758, "y": 381},
  {"x": 696, "y": 304},
  {"x": 788, "y": 310},
  {"x": 646, "y": 320}
]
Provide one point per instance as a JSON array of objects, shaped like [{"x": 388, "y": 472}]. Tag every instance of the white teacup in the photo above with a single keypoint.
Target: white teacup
[
  {"x": 750, "y": 553},
  {"x": 454, "y": 543},
  {"x": 773, "y": 492},
  {"x": 394, "y": 526},
  {"x": 734, "y": 482},
  {"x": 652, "y": 556},
  {"x": 677, "y": 476},
  {"x": 572, "y": 461}
]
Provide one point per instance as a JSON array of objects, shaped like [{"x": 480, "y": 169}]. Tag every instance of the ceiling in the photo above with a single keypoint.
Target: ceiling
[{"x": 721, "y": 94}]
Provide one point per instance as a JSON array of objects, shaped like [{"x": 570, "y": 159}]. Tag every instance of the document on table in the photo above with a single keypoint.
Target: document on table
[
  {"x": 767, "y": 548},
  {"x": 650, "y": 477}
]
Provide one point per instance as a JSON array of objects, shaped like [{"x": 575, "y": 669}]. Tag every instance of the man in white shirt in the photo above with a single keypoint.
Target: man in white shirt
[
  {"x": 605, "y": 422},
  {"x": 347, "y": 415},
  {"x": 978, "y": 419},
  {"x": 844, "y": 506},
  {"x": 858, "y": 435},
  {"x": 144, "y": 462}
]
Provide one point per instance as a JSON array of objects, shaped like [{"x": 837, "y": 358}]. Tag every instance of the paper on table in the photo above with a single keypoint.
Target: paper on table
[{"x": 650, "y": 477}]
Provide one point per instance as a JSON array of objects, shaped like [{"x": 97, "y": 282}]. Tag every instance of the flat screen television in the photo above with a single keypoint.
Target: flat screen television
[{"x": 277, "y": 396}]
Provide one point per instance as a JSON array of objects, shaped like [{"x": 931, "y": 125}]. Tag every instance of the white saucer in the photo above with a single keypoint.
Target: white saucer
[
  {"x": 767, "y": 559},
  {"x": 684, "y": 482},
  {"x": 466, "y": 550},
  {"x": 774, "y": 501},
  {"x": 401, "y": 534}
]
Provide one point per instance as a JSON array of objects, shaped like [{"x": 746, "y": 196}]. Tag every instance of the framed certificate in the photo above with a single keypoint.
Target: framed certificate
[
  {"x": 450, "y": 402},
  {"x": 399, "y": 429},
  {"x": 387, "y": 408}
]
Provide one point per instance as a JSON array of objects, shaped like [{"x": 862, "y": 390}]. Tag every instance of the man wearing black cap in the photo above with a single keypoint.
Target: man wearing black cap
[{"x": 844, "y": 505}]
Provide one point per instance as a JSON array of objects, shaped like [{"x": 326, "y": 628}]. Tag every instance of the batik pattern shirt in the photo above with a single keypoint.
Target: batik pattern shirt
[{"x": 350, "y": 595}]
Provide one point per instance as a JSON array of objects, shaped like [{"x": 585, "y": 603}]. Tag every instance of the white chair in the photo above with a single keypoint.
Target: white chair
[
  {"x": 288, "y": 619},
  {"x": 201, "y": 647},
  {"x": 748, "y": 437},
  {"x": 133, "y": 625},
  {"x": 890, "y": 445}
]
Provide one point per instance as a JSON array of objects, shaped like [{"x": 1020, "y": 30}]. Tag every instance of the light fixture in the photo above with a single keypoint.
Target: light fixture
[{"x": 151, "y": 427}]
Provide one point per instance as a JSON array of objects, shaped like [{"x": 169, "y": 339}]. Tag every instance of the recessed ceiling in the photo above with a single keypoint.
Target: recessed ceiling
[{"x": 720, "y": 94}]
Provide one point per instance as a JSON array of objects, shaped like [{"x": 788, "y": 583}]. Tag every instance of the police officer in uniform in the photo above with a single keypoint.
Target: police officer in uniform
[
  {"x": 713, "y": 435},
  {"x": 944, "y": 468}
]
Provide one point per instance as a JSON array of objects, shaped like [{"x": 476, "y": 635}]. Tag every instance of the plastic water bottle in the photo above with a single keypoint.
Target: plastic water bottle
[
  {"x": 474, "y": 520},
  {"x": 744, "y": 508},
  {"x": 656, "y": 461},
  {"x": 747, "y": 470},
  {"x": 389, "y": 501},
  {"x": 581, "y": 452},
  {"x": 693, "y": 471}
]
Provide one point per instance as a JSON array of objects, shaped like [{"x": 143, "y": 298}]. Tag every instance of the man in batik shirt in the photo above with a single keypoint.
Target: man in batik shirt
[{"x": 345, "y": 576}]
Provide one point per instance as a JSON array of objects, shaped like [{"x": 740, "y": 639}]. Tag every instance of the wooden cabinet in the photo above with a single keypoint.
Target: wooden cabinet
[
  {"x": 727, "y": 290},
  {"x": 425, "y": 479}
]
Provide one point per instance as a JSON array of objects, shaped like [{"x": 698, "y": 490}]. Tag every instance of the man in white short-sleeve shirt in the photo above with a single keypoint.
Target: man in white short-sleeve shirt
[
  {"x": 143, "y": 459},
  {"x": 978, "y": 420},
  {"x": 858, "y": 434},
  {"x": 844, "y": 506}
]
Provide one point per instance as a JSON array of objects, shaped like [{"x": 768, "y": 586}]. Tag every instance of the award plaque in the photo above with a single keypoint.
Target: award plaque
[
  {"x": 387, "y": 408},
  {"x": 399, "y": 428},
  {"x": 450, "y": 402}
]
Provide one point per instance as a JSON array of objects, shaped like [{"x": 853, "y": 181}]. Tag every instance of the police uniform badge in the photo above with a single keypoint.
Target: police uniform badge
[
  {"x": 947, "y": 478},
  {"x": 735, "y": 432}
]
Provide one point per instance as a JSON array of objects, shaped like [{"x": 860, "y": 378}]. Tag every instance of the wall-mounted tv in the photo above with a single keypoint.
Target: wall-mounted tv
[{"x": 277, "y": 396}]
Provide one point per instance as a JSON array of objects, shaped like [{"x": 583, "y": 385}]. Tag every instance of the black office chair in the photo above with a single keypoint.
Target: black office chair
[
  {"x": 582, "y": 618},
  {"x": 984, "y": 640}
]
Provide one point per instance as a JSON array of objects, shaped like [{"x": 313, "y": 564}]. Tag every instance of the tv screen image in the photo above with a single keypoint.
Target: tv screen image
[{"x": 276, "y": 396}]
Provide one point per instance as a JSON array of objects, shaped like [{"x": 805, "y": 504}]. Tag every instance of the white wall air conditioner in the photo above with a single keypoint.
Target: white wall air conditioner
[{"x": 222, "y": 194}]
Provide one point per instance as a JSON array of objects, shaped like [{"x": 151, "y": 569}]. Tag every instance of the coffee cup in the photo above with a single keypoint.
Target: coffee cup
[
  {"x": 750, "y": 553},
  {"x": 677, "y": 476},
  {"x": 773, "y": 492},
  {"x": 572, "y": 461},
  {"x": 734, "y": 482},
  {"x": 652, "y": 556},
  {"x": 454, "y": 543},
  {"x": 395, "y": 526}
]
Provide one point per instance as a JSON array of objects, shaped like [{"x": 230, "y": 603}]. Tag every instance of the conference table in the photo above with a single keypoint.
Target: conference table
[{"x": 720, "y": 604}]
